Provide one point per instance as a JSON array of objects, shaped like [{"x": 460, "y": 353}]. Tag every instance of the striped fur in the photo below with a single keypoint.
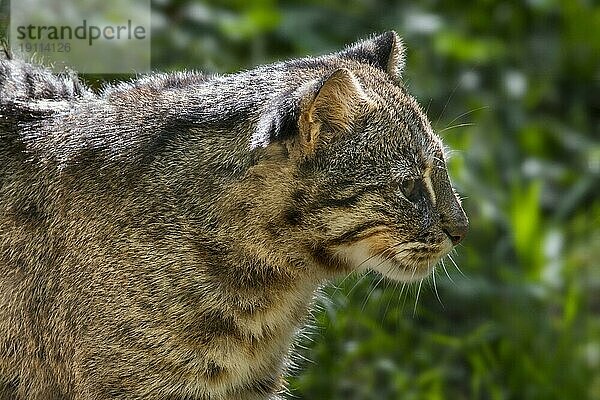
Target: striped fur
[{"x": 164, "y": 239}]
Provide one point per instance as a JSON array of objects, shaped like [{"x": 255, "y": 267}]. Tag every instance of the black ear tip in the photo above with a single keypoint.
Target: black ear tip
[
  {"x": 389, "y": 36},
  {"x": 386, "y": 39},
  {"x": 390, "y": 42}
]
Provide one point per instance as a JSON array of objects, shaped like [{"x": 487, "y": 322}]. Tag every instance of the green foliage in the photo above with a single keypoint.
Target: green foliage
[{"x": 514, "y": 89}]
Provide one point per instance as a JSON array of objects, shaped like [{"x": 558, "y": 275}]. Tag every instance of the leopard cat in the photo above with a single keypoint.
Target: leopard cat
[{"x": 164, "y": 238}]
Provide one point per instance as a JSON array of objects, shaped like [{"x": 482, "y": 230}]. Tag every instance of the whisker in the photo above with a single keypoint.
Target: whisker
[
  {"x": 456, "y": 265},
  {"x": 455, "y": 126},
  {"x": 417, "y": 298},
  {"x": 446, "y": 271},
  {"x": 467, "y": 113},
  {"x": 368, "y": 259},
  {"x": 419, "y": 289},
  {"x": 357, "y": 282},
  {"x": 401, "y": 303},
  {"x": 402, "y": 290},
  {"x": 371, "y": 292},
  {"x": 436, "y": 289},
  {"x": 339, "y": 285},
  {"x": 428, "y": 104},
  {"x": 390, "y": 298},
  {"x": 385, "y": 259},
  {"x": 447, "y": 102}
]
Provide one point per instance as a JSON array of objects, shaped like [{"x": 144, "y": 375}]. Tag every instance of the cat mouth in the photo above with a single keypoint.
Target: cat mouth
[
  {"x": 408, "y": 263},
  {"x": 403, "y": 271}
]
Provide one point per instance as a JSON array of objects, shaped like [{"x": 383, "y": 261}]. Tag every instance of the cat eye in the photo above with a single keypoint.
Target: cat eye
[{"x": 408, "y": 187}]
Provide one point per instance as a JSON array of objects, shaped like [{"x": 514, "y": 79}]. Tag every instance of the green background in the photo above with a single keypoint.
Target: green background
[{"x": 513, "y": 88}]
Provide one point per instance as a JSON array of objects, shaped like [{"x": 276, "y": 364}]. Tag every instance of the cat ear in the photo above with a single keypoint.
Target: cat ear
[
  {"x": 332, "y": 110},
  {"x": 385, "y": 52},
  {"x": 314, "y": 112}
]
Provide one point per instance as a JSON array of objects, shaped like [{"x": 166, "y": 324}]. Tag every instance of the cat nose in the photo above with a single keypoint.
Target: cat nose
[{"x": 457, "y": 232}]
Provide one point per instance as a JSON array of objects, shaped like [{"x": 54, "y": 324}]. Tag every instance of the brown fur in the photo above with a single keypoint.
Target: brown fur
[{"x": 165, "y": 239}]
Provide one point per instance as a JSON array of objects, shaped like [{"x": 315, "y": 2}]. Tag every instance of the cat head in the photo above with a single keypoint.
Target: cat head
[{"x": 367, "y": 184}]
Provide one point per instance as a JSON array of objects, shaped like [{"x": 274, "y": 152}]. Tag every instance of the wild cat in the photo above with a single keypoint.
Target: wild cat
[{"x": 164, "y": 239}]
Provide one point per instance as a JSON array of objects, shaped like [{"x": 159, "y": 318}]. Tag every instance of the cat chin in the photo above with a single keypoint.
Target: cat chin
[
  {"x": 403, "y": 273},
  {"x": 399, "y": 268}
]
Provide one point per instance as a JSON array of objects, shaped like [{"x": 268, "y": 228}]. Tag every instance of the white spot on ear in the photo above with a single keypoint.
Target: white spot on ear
[{"x": 268, "y": 122}]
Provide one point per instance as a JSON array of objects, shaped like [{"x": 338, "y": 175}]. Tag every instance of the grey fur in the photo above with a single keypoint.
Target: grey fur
[{"x": 164, "y": 239}]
